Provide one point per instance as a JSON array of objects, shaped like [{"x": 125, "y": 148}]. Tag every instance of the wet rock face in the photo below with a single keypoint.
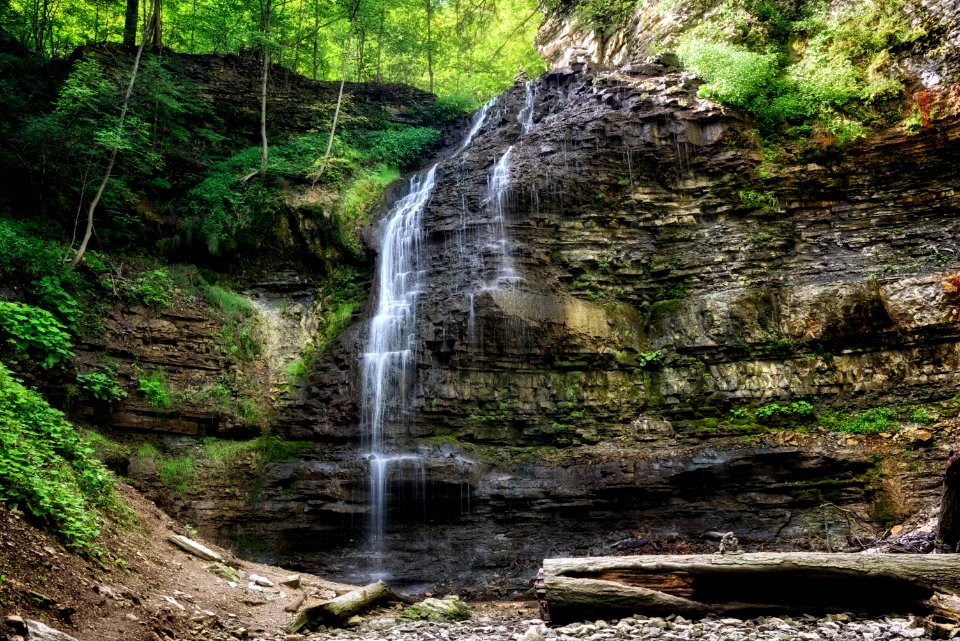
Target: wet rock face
[{"x": 577, "y": 400}]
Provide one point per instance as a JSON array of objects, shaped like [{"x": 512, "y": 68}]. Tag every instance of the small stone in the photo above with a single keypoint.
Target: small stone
[
  {"x": 532, "y": 634},
  {"x": 292, "y": 581},
  {"x": 354, "y": 621},
  {"x": 225, "y": 572},
  {"x": 447, "y": 609},
  {"x": 295, "y": 605},
  {"x": 42, "y": 632}
]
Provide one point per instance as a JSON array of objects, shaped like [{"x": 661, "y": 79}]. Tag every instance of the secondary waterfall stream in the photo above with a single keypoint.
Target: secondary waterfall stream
[{"x": 390, "y": 358}]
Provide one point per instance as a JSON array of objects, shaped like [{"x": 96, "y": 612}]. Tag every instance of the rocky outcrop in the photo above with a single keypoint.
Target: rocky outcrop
[
  {"x": 664, "y": 284},
  {"x": 570, "y": 35}
]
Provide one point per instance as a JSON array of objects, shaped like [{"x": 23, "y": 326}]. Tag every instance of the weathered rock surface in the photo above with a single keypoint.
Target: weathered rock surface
[{"x": 586, "y": 406}]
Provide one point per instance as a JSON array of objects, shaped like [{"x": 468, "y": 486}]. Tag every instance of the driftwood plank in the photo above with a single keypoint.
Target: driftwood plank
[{"x": 741, "y": 584}]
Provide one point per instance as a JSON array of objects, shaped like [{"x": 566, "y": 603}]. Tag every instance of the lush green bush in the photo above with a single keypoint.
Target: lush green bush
[
  {"x": 154, "y": 288},
  {"x": 156, "y": 390},
  {"x": 26, "y": 254},
  {"x": 816, "y": 64},
  {"x": 399, "y": 147},
  {"x": 47, "y": 469},
  {"x": 869, "y": 421},
  {"x": 36, "y": 333},
  {"x": 102, "y": 385},
  {"x": 795, "y": 409},
  {"x": 54, "y": 298}
]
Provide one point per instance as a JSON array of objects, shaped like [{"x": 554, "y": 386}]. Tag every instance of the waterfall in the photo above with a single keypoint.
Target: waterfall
[
  {"x": 526, "y": 114},
  {"x": 478, "y": 121},
  {"x": 389, "y": 357},
  {"x": 497, "y": 187}
]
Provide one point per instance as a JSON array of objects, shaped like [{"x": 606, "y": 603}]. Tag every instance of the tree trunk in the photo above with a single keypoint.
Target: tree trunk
[
  {"x": 265, "y": 153},
  {"x": 157, "y": 24},
  {"x": 343, "y": 80},
  {"x": 130, "y": 23},
  {"x": 744, "y": 584},
  {"x": 336, "y": 611},
  {"x": 948, "y": 529},
  {"x": 113, "y": 152},
  {"x": 430, "y": 42}
]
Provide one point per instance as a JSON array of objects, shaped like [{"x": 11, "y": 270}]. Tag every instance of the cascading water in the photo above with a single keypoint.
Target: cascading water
[
  {"x": 526, "y": 114},
  {"x": 496, "y": 197},
  {"x": 390, "y": 355},
  {"x": 389, "y": 361}
]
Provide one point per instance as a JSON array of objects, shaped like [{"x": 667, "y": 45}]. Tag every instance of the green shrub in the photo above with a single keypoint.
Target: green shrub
[
  {"x": 102, "y": 385},
  {"x": 47, "y": 469},
  {"x": 794, "y": 409},
  {"x": 156, "y": 390},
  {"x": 34, "y": 332},
  {"x": 53, "y": 298},
  {"x": 399, "y": 147},
  {"x": 25, "y": 254},
  {"x": 870, "y": 421},
  {"x": 154, "y": 288},
  {"x": 177, "y": 472},
  {"x": 454, "y": 105},
  {"x": 240, "y": 321}
]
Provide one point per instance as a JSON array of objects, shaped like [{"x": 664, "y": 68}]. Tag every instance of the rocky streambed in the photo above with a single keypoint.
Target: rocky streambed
[{"x": 493, "y": 627}]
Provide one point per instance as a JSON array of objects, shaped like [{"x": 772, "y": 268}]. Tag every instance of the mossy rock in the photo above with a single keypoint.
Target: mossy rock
[{"x": 448, "y": 609}]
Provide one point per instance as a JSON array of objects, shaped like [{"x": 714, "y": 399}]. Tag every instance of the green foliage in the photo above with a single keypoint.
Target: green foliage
[
  {"x": 102, "y": 385},
  {"x": 53, "y": 297},
  {"x": 794, "y": 409},
  {"x": 154, "y": 288},
  {"x": 920, "y": 415},
  {"x": 765, "y": 201},
  {"x": 869, "y": 421},
  {"x": 802, "y": 69},
  {"x": 357, "y": 200},
  {"x": 156, "y": 390},
  {"x": 36, "y": 333},
  {"x": 645, "y": 358},
  {"x": 342, "y": 294},
  {"x": 268, "y": 448},
  {"x": 397, "y": 147},
  {"x": 239, "y": 318},
  {"x": 47, "y": 469},
  {"x": 177, "y": 473},
  {"x": 25, "y": 253}
]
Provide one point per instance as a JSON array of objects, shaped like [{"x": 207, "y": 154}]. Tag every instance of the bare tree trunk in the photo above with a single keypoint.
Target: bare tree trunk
[
  {"x": 343, "y": 80},
  {"x": 157, "y": 24},
  {"x": 265, "y": 154},
  {"x": 130, "y": 23},
  {"x": 430, "y": 42},
  {"x": 316, "y": 34},
  {"x": 383, "y": 16},
  {"x": 88, "y": 233}
]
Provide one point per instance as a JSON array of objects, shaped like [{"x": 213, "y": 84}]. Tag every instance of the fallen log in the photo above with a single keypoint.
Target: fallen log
[
  {"x": 744, "y": 584},
  {"x": 336, "y": 611}
]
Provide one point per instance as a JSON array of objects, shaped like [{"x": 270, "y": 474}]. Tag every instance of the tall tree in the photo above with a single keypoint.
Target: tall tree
[
  {"x": 130, "y": 23},
  {"x": 114, "y": 148}
]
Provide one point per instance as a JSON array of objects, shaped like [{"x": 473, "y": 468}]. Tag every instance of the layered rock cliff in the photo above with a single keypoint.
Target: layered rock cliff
[{"x": 685, "y": 340}]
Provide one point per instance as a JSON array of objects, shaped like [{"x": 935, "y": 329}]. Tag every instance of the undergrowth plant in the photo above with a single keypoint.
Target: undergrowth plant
[
  {"x": 47, "y": 469},
  {"x": 102, "y": 384},
  {"x": 156, "y": 390},
  {"x": 35, "y": 333}
]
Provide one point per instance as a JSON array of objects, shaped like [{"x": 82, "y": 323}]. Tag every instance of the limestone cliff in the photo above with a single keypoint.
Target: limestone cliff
[{"x": 676, "y": 312}]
